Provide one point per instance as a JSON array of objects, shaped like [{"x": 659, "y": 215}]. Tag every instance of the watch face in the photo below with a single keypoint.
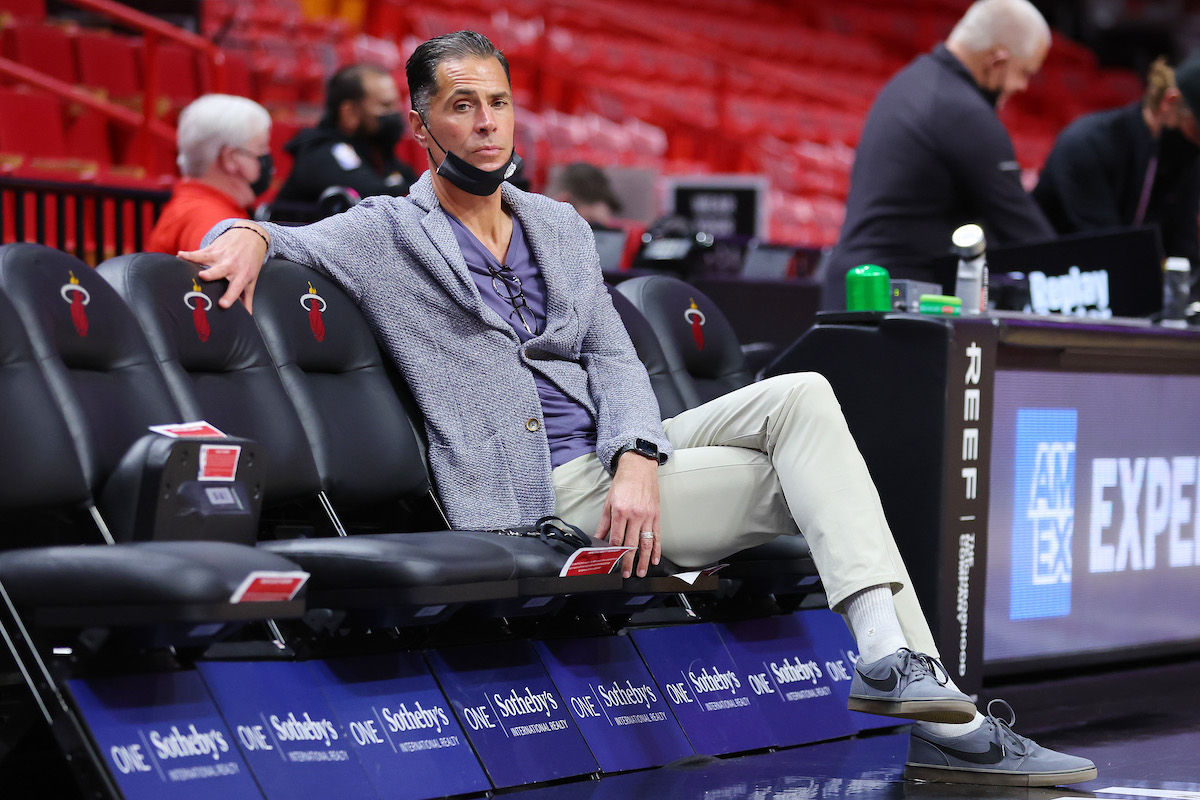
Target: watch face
[{"x": 646, "y": 448}]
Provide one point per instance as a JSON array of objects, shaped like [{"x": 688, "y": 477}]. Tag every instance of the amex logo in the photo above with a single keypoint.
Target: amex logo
[{"x": 1043, "y": 513}]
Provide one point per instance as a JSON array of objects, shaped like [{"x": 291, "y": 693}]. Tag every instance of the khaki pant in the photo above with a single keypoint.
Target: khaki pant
[{"x": 762, "y": 461}]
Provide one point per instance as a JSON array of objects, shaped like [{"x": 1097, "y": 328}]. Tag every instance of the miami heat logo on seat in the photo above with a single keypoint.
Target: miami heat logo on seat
[
  {"x": 695, "y": 317},
  {"x": 199, "y": 303},
  {"x": 315, "y": 305},
  {"x": 77, "y": 297}
]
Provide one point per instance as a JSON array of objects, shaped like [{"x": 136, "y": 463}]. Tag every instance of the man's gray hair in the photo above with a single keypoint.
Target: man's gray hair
[
  {"x": 1015, "y": 25},
  {"x": 213, "y": 121}
]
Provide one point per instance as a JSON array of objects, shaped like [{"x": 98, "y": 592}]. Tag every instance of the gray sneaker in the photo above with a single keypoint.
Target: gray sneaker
[
  {"x": 907, "y": 684},
  {"x": 991, "y": 754}
]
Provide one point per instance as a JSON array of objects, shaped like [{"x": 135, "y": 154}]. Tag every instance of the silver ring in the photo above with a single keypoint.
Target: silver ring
[{"x": 647, "y": 534}]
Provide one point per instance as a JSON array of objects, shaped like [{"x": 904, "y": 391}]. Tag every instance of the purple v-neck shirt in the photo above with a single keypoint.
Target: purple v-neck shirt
[{"x": 570, "y": 429}]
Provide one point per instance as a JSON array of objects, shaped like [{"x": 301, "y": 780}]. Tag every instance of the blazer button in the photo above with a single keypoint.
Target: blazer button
[{"x": 532, "y": 425}]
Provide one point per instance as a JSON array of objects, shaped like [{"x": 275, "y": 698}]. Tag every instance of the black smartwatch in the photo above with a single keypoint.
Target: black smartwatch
[{"x": 643, "y": 448}]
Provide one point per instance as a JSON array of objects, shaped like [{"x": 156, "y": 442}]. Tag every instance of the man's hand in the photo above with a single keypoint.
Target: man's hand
[
  {"x": 235, "y": 255},
  {"x": 630, "y": 509}
]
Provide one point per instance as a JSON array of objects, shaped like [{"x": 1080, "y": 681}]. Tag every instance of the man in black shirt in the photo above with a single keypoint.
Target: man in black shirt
[
  {"x": 354, "y": 144},
  {"x": 1133, "y": 166},
  {"x": 933, "y": 155}
]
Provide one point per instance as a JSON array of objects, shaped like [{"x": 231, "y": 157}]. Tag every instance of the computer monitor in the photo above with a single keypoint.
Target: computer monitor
[
  {"x": 768, "y": 262},
  {"x": 1096, "y": 275},
  {"x": 610, "y": 244}
]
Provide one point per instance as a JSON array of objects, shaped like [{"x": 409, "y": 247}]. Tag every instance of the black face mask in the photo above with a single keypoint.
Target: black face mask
[
  {"x": 1174, "y": 147},
  {"x": 390, "y": 129},
  {"x": 472, "y": 179},
  {"x": 266, "y": 171}
]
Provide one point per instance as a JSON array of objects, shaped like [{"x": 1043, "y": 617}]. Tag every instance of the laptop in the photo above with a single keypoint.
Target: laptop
[
  {"x": 610, "y": 244},
  {"x": 768, "y": 262}
]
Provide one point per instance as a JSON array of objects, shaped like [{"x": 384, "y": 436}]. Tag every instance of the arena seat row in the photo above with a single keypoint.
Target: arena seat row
[
  {"x": 56, "y": 564},
  {"x": 337, "y": 382},
  {"x": 107, "y": 547},
  {"x": 366, "y": 457},
  {"x": 362, "y": 470},
  {"x": 301, "y": 398},
  {"x": 66, "y": 582}
]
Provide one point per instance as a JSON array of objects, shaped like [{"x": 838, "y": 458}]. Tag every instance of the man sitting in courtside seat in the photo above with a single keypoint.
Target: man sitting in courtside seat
[{"x": 490, "y": 301}]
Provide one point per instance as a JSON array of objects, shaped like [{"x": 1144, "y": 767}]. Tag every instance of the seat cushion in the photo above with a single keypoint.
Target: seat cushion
[
  {"x": 783, "y": 567},
  {"x": 186, "y": 581},
  {"x": 780, "y": 549},
  {"x": 396, "y": 560},
  {"x": 534, "y": 558}
]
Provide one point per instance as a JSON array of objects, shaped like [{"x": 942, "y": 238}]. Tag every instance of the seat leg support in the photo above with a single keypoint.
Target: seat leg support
[{"x": 83, "y": 758}]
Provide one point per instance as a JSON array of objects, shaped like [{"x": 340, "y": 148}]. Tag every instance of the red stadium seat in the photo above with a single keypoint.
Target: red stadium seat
[
  {"x": 39, "y": 152},
  {"x": 45, "y": 47},
  {"x": 34, "y": 10},
  {"x": 238, "y": 78},
  {"x": 178, "y": 80},
  {"x": 282, "y": 131},
  {"x": 109, "y": 63},
  {"x": 17, "y": 135},
  {"x": 88, "y": 135}
]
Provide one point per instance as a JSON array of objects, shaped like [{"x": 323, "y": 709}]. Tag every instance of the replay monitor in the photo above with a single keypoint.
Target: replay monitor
[{"x": 1116, "y": 274}]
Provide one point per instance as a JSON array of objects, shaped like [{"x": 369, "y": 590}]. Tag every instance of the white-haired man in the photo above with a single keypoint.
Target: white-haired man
[
  {"x": 933, "y": 154},
  {"x": 225, "y": 160}
]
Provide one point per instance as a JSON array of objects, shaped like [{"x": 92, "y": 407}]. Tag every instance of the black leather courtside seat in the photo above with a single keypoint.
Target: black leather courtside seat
[
  {"x": 220, "y": 370},
  {"x": 46, "y": 492},
  {"x": 650, "y": 352},
  {"x": 686, "y": 370},
  {"x": 702, "y": 351}
]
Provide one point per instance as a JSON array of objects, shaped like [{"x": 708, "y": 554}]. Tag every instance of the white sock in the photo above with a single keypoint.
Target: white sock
[
  {"x": 871, "y": 615},
  {"x": 947, "y": 729}
]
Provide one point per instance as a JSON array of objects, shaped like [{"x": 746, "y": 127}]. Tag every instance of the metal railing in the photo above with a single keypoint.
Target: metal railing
[
  {"x": 153, "y": 30},
  {"x": 90, "y": 221}
]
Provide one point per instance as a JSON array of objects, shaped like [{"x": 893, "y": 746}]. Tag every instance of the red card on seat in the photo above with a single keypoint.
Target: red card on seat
[
  {"x": 593, "y": 561},
  {"x": 269, "y": 586},
  {"x": 181, "y": 430}
]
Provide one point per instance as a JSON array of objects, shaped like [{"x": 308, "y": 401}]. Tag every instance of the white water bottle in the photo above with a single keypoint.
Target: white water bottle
[
  {"x": 1177, "y": 283},
  {"x": 972, "y": 283}
]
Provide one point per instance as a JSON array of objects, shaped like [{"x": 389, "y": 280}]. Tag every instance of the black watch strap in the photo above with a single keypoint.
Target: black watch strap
[{"x": 642, "y": 447}]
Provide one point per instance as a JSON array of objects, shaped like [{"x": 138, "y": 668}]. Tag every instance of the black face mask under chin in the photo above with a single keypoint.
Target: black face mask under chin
[{"x": 472, "y": 179}]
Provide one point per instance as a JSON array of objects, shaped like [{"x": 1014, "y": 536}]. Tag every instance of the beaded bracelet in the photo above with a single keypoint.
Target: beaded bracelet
[{"x": 252, "y": 230}]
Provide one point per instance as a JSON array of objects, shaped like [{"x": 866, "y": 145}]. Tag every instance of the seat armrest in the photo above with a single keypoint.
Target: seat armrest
[{"x": 186, "y": 489}]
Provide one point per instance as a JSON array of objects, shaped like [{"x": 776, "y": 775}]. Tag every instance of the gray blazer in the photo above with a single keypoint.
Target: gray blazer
[{"x": 469, "y": 373}]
